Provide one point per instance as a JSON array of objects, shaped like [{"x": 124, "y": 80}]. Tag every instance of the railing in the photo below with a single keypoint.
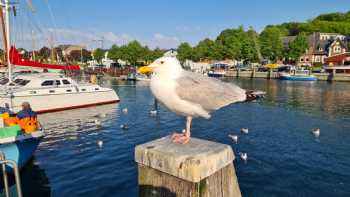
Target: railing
[{"x": 3, "y": 163}]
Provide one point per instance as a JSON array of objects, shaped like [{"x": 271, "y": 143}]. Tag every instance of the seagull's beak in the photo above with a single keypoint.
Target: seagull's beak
[{"x": 145, "y": 69}]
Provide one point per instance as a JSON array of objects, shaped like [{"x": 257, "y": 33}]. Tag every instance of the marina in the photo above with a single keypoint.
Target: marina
[
  {"x": 292, "y": 152},
  {"x": 163, "y": 103}
]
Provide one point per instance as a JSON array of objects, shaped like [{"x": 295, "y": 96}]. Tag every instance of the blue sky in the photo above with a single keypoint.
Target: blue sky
[{"x": 158, "y": 23}]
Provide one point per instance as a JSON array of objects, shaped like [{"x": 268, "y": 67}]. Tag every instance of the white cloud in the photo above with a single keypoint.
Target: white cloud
[
  {"x": 163, "y": 41},
  {"x": 58, "y": 36},
  {"x": 91, "y": 39}
]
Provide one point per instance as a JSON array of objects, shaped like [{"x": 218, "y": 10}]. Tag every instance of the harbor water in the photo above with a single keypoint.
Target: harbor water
[{"x": 81, "y": 157}]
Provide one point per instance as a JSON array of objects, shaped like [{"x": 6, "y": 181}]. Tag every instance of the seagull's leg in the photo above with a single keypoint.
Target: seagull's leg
[
  {"x": 175, "y": 136},
  {"x": 185, "y": 138}
]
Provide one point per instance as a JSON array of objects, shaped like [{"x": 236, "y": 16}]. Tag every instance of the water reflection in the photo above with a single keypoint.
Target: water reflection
[
  {"x": 67, "y": 125},
  {"x": 318, "y": 97},
  {"x": 34, "y": 181}
]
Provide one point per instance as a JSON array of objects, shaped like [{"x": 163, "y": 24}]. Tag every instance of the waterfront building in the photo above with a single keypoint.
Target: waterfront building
[
  {"x": 198, "y": 67},
  {"x": 321, "y": 46},
  {"x": 67, "y": 48}
]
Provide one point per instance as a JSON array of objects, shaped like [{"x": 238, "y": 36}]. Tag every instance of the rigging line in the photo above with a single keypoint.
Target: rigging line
[{"x": 52, "y": 18}]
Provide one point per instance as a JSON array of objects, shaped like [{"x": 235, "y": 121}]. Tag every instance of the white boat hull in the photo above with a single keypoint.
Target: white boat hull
[{"x": 45, "y": 103}]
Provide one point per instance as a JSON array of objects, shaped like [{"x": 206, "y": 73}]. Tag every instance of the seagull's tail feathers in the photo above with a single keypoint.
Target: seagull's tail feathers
[{"x": 254, "y": 95}]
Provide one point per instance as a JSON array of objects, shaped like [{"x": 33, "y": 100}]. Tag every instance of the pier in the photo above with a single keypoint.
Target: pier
[
  {"x": 274, "y": 75},
  {"x": 199, "y": 168}
]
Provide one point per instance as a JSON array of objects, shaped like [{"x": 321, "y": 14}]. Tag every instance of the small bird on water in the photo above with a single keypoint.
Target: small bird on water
[
  {"x": 97, "y": 122},
  {"x": 316, "y": 132},
  {"x": 190, "y": 94},
  {"x": 125, "y": 110},
  {"x": 233, "y": 137},
  {"x": 245, "y": 130},
  {"x": 100, "y": 143},
  {"x": 124, "y": 126},
  {"x": 244, "y": 156}
]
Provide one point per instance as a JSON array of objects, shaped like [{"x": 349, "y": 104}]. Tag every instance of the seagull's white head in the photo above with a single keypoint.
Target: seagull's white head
[{"x": 163, "y": 65}]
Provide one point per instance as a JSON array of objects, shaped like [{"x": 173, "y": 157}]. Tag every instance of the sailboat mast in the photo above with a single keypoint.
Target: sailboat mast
[
  {"x": 7, "y": 19},
  {"x": 3, "y": 33}
]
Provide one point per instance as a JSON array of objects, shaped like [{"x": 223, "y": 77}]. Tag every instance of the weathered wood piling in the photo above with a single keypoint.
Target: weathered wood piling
[{"x": 199, "y": 168}]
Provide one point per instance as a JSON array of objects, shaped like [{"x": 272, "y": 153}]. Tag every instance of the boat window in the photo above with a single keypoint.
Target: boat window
[
  {"x": 18, "y": 81},
  {"x": 32, "y": 92},
  {"x": 47, "y": 83},
  {"x": 21, "y": 82},
  {"x": 65, "y": 81},
  {"x": 58, "y": 82},
  {"x": 4, "y": 81},
  {"x": 69, "y": 90},
  {"x": 24, "y": 82},
  {"x": 52, "y": 91},
  {"x": 97, "y": 88},
  {"x": 83, "y": 90}
]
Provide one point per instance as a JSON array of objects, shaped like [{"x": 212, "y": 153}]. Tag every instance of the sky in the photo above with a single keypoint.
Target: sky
[{"x": 155, "y": 23}]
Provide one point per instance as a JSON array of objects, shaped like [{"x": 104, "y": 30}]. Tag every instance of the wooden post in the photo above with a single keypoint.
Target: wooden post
[
  {"x": 238, "y": 71},
  {"x": 199, "y": 168},
  {"x": 253, "y": 73}
]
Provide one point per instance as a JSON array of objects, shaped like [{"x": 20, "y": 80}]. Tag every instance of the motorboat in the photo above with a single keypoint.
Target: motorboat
[
  {"x": 50, "y": 92},
  {"x": 297, "y": 76}
]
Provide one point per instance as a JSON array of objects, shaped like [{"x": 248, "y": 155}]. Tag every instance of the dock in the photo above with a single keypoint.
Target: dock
[{"x": 274, "y": 75}]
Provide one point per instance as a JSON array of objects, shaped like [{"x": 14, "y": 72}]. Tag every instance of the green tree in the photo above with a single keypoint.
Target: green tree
[
  {"x": 99, "y": 54},
  {"x": 249, "y": 47},
  {"x": 230, "y": 39},
  {"x": 133, "y": 52},
  {"x": 184, "y": 51},
  {"x": 114, "y": 53},
  {"x": 207, "y": 50},
  {"x": 298, "y": 46},
  {"x": 44, "y": 53},
  {"x": 270, "y": 42},
  {"x": 152, "y": 55},
  {"x": 157, "y": 53}
]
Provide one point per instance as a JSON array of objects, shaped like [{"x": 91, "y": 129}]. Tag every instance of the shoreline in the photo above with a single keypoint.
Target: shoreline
[{"x": 274, "y": 75}]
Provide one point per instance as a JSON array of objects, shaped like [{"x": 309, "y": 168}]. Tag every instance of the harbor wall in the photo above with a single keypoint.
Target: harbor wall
[{"x": 275, "y": 75}]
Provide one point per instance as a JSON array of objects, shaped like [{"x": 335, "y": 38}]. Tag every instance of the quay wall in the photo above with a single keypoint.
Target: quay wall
[{"x": 275, "y": 75}]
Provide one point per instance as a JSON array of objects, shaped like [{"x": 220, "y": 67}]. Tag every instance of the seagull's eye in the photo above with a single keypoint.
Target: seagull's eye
[{"x": 161, "y": 62}]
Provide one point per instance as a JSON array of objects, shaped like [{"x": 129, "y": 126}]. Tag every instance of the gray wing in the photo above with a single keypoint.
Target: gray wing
[{"x": 210, "y": 93}]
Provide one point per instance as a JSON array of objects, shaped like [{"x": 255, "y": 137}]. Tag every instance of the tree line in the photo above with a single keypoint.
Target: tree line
[
  {"x": 250, "y": 46},
  {"x": 236, "y": 43},
  {"x": 133, "y": 53}
]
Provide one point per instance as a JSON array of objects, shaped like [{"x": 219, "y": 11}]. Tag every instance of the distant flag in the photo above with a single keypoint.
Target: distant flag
[{"x": 30, "y": 5}]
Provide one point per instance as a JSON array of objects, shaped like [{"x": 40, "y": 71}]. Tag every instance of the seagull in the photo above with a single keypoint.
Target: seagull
[
  {"x": 244, "y": 156},
  {"x": 124, "y": 126},
  {"x": 233, "y": 137},
  {"x": 125, "y": 110},
  {"x": 153, "y": 112},
  {"x": 316, "y": 132},
  {"x": 191, "y": 94},
  {"x": 97, "y": 122},
  {"x": 245, "y": 130},
  {"x": 100, "y": 143}
]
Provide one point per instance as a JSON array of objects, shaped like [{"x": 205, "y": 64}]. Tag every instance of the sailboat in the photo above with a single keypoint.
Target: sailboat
[{"x": 48, "y": 92}]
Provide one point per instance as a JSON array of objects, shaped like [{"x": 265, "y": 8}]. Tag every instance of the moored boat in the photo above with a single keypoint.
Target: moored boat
[
  {"x": 297, "y": 77},
  {"x": 217, "y": 70},
  {"x": 49, "y": 92},
  {"x": 18, "y": 146}
]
